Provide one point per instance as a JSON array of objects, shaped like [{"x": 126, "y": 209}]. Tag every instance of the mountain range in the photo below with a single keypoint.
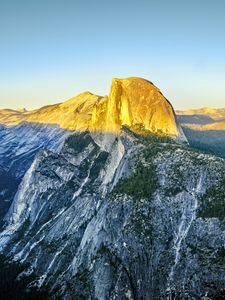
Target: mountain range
[
  {"x": 110, "y": 198},
  {"x": 204, "y": 128}
]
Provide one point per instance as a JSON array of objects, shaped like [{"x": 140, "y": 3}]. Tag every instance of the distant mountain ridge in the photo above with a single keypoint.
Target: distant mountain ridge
[
  {"x": 215, "y": 113},
  {"x": 205, "y": 118},
  {"x": 204, "y": 128}
]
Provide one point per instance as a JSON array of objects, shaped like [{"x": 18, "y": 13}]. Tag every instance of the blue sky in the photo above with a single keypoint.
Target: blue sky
[{"x": 51, "y": 50}]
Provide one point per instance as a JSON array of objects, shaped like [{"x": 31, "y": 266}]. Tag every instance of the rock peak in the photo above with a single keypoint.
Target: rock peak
[
  {"x": 132, "y": 79},
  {"x": 137, "y": 101}
]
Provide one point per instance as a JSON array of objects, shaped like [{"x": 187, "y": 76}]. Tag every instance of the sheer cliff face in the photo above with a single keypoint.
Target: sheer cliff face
[
  {"x": 132, "y": 101},
  {"x": 137, "y": 101}
]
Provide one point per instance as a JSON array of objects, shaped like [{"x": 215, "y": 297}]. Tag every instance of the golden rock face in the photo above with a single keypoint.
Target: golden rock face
[
  {"x": 132, "y": 101},
  {"x": 137, "y": 101}
]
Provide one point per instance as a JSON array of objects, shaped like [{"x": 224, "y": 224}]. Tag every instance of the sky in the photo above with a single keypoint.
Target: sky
[{"x": 51, "y": 50}]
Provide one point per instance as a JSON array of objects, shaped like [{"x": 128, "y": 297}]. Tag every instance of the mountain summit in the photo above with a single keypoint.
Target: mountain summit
[
  {"x": 132, "y": 101},
  {"x": 136, "y": 101}
]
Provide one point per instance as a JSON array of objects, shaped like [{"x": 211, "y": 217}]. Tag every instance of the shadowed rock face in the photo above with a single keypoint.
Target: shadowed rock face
[
  {"x": 18, "y": 147},
  {"x": 132, "y": 101}
]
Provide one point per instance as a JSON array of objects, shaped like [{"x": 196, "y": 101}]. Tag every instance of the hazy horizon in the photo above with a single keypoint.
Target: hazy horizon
[{"x": 54, "y": 50}]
